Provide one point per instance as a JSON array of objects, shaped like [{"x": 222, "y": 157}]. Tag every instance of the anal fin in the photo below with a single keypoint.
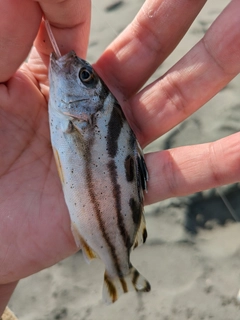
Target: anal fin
[{"x": 88, "y": 252}]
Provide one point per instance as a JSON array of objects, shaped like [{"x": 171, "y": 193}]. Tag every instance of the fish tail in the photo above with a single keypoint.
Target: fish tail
[{"x": 114, "y": 287}]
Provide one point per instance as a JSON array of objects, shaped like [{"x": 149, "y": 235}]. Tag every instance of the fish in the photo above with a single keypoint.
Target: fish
[{"x": 102, "y": 171}]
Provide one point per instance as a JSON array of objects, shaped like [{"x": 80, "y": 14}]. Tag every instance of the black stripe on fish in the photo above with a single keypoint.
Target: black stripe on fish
[
  {"x": 96, "y": 207},
  {"x": 124, "y": 285},
  {"x": 136, "y": 275},
  {"x": 117, "y": 105},
  {"x": 117, "y": 197},
  {"x": 103, "y": 93},
  {"x": 114, "y": 129},
  {"x": 140, "y": 283},
  {"x": 136, "y": 211},
  {"x": 111, "y": 288},
  {"x": 143, "y": 173},
  {"x": 132, "y": 280},
  {"x": 129, "y": 168},
  {"x": 144, "y": 235},
  {"x": 132, "y": 141}
]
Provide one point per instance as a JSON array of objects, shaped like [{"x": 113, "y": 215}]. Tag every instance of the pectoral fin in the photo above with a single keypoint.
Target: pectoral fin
[{"x": 58, "y": 164}]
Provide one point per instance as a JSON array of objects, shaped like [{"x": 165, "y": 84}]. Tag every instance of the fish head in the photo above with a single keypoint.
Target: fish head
[{"x": 75, "y": 88}]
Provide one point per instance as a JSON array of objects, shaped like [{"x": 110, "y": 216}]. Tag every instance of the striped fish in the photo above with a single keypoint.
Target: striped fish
[{"x": 102, "y": 171}]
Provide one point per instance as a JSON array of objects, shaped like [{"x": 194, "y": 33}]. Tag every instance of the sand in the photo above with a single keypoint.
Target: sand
[{"x": 194, "y": 275}]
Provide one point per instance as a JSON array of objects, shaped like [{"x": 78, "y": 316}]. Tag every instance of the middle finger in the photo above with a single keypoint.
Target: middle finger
[
  {"x": 211, "y": 64},
  {"x": 136, "y": 53}
]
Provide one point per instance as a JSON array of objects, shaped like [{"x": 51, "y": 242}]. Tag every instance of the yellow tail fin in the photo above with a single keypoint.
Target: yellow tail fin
[{"x": 114, "y": 287}]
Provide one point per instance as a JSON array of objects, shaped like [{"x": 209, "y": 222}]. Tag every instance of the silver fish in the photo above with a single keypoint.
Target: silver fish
[{"x": 102, "y": 171}]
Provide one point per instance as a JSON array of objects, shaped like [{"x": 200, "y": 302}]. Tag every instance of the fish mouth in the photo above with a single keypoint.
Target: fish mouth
[
  {"x": 63, "y": 61},
  {"x": 53, "y": 56},
  {"x": 70, "y": 54}
]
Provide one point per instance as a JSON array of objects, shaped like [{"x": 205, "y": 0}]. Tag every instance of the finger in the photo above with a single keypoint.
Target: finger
[
  {"x": 19, "y": 23},
  {"x": 70, "y": 22},
  {"x": 185, "y": 170},
  {"x": 158, "y": 27},
  {"x": 195, "y": 79}
]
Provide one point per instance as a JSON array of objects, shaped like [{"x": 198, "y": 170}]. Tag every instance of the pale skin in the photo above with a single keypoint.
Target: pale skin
[{"x": 35, "y": 228}]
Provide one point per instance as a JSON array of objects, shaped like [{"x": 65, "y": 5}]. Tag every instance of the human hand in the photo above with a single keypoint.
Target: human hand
[
  {"x": 33, "y": 212},
  {"x": 197, "y": 77},
  {"x": 34, "y": 228}
]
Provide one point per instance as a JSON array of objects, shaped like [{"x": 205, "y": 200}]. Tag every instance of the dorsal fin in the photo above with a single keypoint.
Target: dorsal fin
[
  {"x": 141, "y": 235},
  {"x": 142, "y": 172},
  {"x": 142, "y": 168}
]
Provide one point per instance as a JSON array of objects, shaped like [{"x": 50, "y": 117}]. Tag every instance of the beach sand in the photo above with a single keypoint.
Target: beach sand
[{"x": 194, "y": 275}]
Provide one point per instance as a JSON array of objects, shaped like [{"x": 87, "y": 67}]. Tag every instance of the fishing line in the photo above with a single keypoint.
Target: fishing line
[
  {"x": 228, "y": 205},
  {"x": 105, "y": 21},
  {"x": 52, "y": 39}
]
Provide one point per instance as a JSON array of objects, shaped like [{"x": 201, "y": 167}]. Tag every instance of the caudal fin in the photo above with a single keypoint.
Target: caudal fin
[{"x": 114, "y": 287}]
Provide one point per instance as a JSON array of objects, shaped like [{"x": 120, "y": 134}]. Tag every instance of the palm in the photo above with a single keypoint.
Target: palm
[
  {"x": 30, "y": 192},
  {"x": 35, "y": 227}
]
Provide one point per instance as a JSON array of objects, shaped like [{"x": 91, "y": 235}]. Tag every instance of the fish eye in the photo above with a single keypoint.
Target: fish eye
[{"x": 86, "y": 76}]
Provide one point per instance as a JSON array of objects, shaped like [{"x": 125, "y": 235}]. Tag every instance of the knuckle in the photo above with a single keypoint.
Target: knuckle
[
  {"x": 175, "y": 95},
  {"x": 170, "y": 173},
  {"x": 213, "y": 163}
]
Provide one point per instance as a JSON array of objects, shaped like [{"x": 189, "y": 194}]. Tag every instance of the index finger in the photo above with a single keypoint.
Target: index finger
[
  {"x": 70, "y": 22},
  {"x": 19, "y": 23},
  {"x": 132, "y": 58}
]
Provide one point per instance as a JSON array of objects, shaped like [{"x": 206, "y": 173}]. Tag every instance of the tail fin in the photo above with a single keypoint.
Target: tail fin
[{"x": 114, "y": 287}]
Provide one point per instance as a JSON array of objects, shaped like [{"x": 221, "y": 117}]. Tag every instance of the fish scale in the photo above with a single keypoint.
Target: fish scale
[{"x": 102, "y": 171}]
